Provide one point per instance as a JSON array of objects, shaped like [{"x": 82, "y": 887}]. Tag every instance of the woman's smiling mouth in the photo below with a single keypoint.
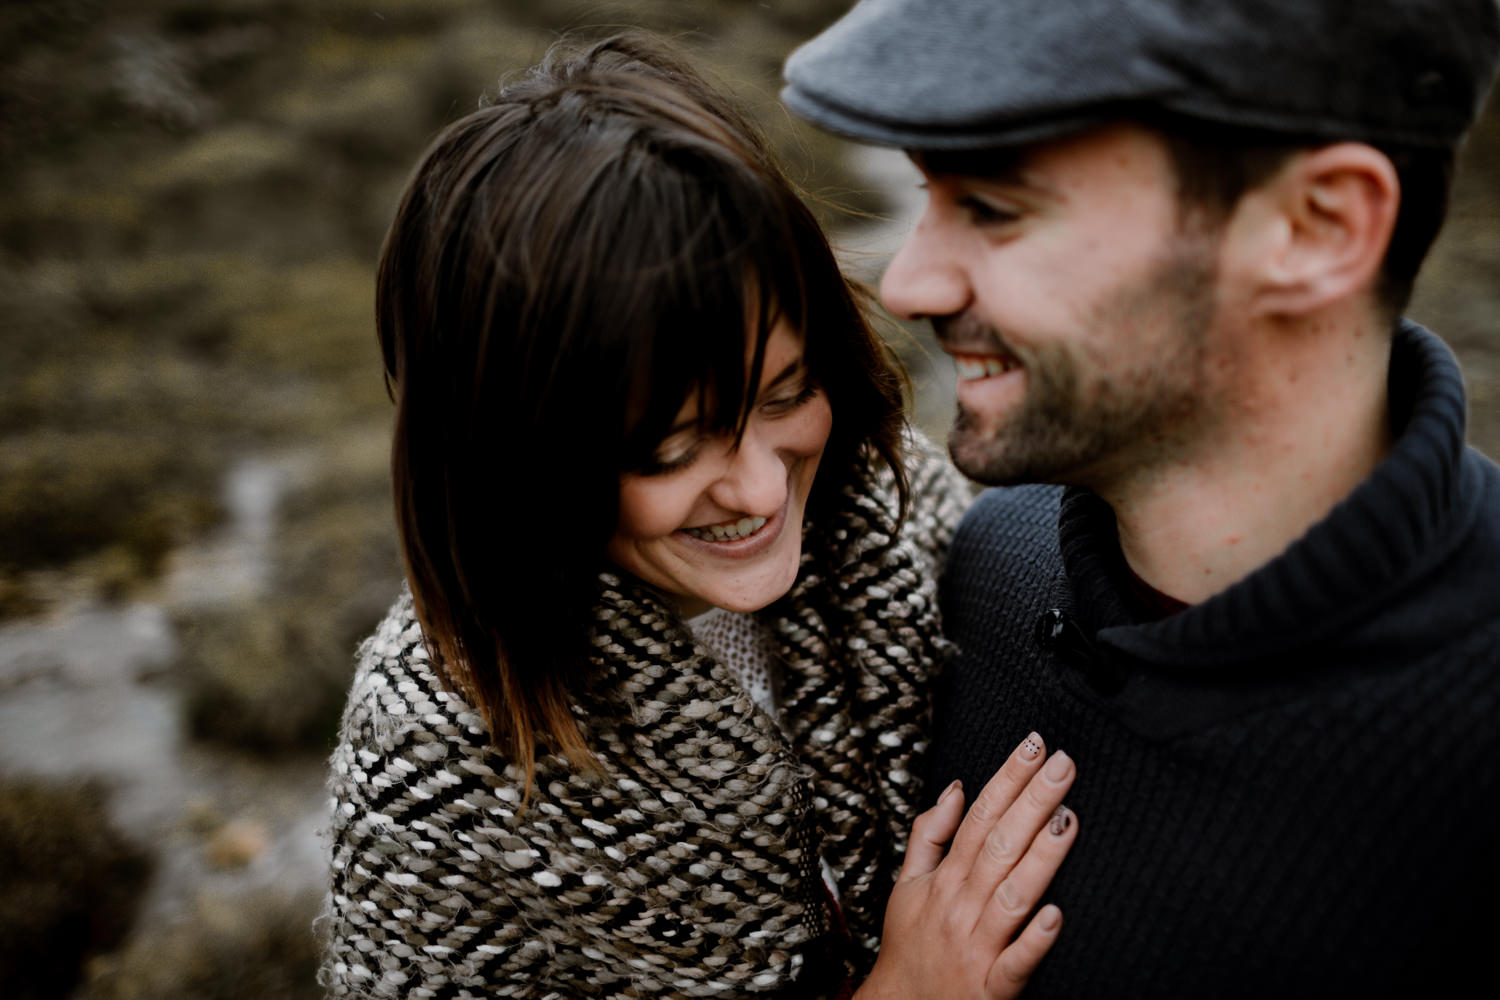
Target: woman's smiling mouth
[
  {"x": 730, "y": 531},
  {"x": 747, "y": 537}
]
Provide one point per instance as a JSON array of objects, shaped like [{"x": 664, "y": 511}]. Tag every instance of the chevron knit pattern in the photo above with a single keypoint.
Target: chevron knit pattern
[{"x": 690, "y": 868}]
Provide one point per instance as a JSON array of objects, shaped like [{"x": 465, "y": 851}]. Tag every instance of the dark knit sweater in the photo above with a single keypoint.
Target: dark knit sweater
[{"x": 1290, "y": 789}]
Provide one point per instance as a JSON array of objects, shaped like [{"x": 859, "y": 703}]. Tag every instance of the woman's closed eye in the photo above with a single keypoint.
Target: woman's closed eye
[
  {"x": 677, "y": 452},
  {"x": 787, "y": 393},
  {"x": 790, "y": 400}
]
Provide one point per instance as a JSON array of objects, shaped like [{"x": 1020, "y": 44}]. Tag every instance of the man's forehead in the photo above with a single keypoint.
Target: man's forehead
[
  {"x": 1121, "y": 143},
  {"x": 1093, "y": 167}
]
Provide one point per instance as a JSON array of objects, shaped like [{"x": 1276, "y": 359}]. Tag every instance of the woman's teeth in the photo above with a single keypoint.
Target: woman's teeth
[
  {"x": 974, "y": 366},
  {"x": 743, "y": 528}
]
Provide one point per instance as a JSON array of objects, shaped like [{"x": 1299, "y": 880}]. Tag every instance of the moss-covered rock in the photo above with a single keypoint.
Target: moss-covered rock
[{"x": 271, "y": 675}]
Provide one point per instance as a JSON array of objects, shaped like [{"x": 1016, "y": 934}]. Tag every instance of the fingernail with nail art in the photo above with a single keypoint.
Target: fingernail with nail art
[
  {"x": 1031, "y": 747},
  {"x": 1062, "y": 818}
]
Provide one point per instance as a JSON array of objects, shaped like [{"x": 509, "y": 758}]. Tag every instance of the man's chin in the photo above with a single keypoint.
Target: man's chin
[
  {"x": 995, "y": 460},
  {"x": 981, "y": 458}
]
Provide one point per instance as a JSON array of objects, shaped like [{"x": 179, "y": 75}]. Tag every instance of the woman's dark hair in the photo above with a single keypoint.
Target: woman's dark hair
[{"x": 567, "y": 265}]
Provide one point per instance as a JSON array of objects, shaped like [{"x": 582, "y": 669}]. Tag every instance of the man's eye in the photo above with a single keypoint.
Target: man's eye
[{"x": 986, "y": 213}]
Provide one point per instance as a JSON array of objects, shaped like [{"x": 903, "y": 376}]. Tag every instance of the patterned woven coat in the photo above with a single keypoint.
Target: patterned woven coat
[{"x": 690, "y": 867}]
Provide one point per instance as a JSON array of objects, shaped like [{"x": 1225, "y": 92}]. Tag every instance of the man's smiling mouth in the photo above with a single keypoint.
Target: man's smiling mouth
[{"x": 974, "y": 366}]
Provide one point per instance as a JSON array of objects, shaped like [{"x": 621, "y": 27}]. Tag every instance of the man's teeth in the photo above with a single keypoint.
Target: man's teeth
[
  {"x": 977, "y": 367},
  {"x": 742, "y": 528}
]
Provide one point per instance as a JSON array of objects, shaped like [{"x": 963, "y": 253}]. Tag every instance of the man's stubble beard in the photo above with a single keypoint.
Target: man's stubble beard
[{"x": 1073, "y": 434}]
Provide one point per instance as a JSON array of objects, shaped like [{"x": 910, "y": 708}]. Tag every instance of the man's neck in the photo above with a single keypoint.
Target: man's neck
[{"x": 1306, "y": 421}]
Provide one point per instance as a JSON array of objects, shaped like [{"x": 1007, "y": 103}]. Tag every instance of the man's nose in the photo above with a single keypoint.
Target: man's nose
[
  {"x": 755, "y": 479},
  {"x": 925, "y": 277}
]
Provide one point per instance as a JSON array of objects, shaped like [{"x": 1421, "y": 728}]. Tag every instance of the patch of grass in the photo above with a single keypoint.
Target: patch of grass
[
  {"x": 64, "y": 495},
  {"x": 69, "y": 885},
  {"x": 252, "y": 947}
]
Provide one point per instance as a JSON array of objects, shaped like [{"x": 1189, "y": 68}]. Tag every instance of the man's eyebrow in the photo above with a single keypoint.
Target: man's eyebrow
[{"x": 1004, "y": 166}]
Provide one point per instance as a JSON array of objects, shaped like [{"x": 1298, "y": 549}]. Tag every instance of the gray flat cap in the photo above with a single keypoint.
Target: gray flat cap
[{"x": 965, "y": 74}]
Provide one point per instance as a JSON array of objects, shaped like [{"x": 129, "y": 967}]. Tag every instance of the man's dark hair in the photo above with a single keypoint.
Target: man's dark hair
[{"x": 1215, "y": 166}]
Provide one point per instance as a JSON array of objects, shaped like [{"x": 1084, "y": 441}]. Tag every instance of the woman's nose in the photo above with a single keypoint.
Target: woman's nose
[
  {"x": 754, "y": 481},
  {"x": 925, "y": 277}
]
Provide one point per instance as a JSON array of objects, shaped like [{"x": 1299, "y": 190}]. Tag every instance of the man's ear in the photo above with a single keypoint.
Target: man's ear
[{"x": 1315, "y": 234}]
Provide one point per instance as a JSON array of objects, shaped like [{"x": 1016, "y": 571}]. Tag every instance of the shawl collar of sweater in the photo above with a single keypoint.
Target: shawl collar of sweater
[
  {"x": 689, "y": 867},
  {"x": 1406, "y": 520}
]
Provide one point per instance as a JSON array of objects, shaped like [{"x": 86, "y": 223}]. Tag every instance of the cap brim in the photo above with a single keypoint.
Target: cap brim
[{"x": 905, "y": 135}]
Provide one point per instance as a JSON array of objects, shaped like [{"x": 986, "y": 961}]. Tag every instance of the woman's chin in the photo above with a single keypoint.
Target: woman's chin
[{"x": 742, "y": 595}]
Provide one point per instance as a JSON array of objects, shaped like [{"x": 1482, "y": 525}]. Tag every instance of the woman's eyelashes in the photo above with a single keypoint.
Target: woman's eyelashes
[
  {"x": 788, "y": 401},
  {"x": 680, "y": 450},
  {"x": 672, "y": 456}
]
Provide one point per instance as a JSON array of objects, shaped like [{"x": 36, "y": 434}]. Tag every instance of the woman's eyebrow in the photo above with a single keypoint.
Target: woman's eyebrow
[{"x": 786, "y": 373}]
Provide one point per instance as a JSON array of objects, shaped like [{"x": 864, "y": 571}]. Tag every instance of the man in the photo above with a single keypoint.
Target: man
[{"x": 1168, "y": 244}]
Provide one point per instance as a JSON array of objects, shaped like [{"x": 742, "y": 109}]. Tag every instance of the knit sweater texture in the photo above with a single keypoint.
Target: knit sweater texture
[
  {"x": 690, "y": 866},
  {"x": 1291, "y": 789}
]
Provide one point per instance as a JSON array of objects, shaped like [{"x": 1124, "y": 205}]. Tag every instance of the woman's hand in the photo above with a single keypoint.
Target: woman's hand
[{"x": 954, "y": 925}]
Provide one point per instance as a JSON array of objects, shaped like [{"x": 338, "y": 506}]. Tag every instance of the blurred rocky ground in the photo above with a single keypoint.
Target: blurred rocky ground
[
  {"x": 194, "y": 516},
  {"x": 194, "y": 521}
]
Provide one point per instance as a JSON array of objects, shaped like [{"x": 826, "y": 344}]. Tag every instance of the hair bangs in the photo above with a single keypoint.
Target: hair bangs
[{"x": 710, "y": 303}]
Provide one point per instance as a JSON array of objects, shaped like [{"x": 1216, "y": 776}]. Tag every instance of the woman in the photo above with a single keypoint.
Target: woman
[{"x": 636, "y": 401}]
